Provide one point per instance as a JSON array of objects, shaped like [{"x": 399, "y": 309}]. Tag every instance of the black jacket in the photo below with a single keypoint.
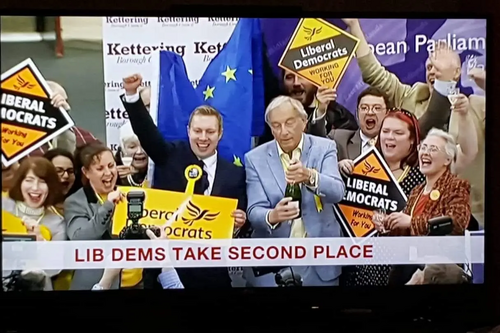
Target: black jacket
[{"x": 171, "y": 160}]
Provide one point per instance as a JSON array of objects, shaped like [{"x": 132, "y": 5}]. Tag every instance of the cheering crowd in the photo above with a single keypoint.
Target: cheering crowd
[{"x": 67, "y": 190}]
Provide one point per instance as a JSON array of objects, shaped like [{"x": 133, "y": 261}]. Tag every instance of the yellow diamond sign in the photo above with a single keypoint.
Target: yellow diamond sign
[{"x": 319, "y": 52}]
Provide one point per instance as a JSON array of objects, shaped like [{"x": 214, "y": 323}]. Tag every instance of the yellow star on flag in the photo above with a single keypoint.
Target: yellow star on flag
[
  {"x": 229, "y": 74},
  {"x": 250, "y": 71},
  {"x": 209, "y": 92}
]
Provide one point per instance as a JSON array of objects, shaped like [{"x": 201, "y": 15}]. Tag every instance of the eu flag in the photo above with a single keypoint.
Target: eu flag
[
  {"x": 233, "y": 83},
  {"x": 177, "y": 97}
]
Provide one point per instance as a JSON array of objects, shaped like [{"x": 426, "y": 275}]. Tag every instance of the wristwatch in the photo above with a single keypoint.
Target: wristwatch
[{"x": 312, "y": 177}]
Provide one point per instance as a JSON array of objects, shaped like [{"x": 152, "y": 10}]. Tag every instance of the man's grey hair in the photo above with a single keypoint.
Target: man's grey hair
[
  {"x": 450, "y": 146},
  {"x": 280, "y": 100}
]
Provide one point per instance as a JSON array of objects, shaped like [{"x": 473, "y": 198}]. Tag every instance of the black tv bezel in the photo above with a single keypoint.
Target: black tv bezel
[{"x": 325, "y": 301}]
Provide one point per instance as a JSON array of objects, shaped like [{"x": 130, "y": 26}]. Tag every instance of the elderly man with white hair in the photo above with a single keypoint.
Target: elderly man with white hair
[{"x": 297, "y": 158}]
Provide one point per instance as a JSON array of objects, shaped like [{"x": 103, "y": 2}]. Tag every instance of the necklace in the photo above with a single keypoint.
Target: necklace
[{"x": 133, "y": 183}]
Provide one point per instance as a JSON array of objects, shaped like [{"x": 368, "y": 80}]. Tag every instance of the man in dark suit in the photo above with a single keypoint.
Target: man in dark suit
[
  {"x": 220, "y": 177},
  {"x": 372, "y": 107}
]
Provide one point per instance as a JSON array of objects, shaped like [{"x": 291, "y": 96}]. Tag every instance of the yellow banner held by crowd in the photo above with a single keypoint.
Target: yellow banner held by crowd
[{"x": 200, "y": 217}]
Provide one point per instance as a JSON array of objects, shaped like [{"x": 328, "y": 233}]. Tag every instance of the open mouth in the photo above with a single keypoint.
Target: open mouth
[
  {"x": 370, "y": 123},
  {"x": 297, "y": 94},
  {"x": 107, "y": 183},
  {"x": 35, "y": 197},
  {"x": 65, "y": 184},
  {"x": 432, "y": 80},
  {"x": 140, "y": 159},
  {"x": 203, "y": 146},
  {"x": 425, "y": 161},
  {"x": 390, "y": 146}
]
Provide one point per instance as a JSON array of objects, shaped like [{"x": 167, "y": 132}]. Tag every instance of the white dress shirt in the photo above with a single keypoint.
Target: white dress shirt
[
  {"x": 210, "y": 162},
  {"x": 366, "y": 142},
  {"x": 210, "y": 167}
]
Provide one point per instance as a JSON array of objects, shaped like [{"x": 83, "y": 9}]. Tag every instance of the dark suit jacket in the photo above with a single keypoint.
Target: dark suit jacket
[
  {"x": 171, "y": 160},
  {"x": 437, "y": 115}
]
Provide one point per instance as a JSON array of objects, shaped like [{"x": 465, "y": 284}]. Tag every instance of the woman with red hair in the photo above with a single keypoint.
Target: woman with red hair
[{"x": 397, "y": 142}]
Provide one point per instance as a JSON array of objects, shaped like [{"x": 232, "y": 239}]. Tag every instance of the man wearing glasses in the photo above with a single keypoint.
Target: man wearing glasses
[{"x": 372, "y": 108}]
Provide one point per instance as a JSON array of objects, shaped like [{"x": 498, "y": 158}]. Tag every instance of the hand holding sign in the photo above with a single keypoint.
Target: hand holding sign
[
  {"x": 296, "y": 173},
  {"x": 283, "y": 212},
  {"x": 33, "y": 228},
  {"x": 346, "y": 166},
  {"x": 59, "y": 101},
  {"x": 324, "y": 96},
  {"x": 240, "y": 218},
  {"x": 132, "y": 83},
  {"x": 398, "y": 221}
]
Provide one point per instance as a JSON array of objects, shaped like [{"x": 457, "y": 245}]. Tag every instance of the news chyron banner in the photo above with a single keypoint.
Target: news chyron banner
[
  {"x": 370, "y": 187},
  {"x": 129, "y": 46},
  {"x": 191, "y": 216},
  {"x": 319, "y": 52},
  {"x": 28, "y": 118}
]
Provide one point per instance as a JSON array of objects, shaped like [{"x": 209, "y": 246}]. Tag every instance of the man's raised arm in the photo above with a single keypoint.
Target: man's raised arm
[{"x": 143, "y": 125}]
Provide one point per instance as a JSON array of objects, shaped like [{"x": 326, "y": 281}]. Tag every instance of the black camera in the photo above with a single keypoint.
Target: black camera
[
  {"x": 288, "y": 278},
  {"x": 135, "y": 207},
  {"x": 23, "y": 281},
  {"x": 440, "y": 226}
]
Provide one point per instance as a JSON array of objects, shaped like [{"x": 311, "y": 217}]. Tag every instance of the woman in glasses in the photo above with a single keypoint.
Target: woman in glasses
[
  {"x": 441, "y": 194},
  {"x": 64, "y": 163}
]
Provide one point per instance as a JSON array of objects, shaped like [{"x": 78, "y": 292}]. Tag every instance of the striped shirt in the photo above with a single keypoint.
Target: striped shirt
[{"x": 169, "y": 279}]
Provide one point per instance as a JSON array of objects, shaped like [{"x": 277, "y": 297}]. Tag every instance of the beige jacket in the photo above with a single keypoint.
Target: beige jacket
[{"x": 415, "y": 98}]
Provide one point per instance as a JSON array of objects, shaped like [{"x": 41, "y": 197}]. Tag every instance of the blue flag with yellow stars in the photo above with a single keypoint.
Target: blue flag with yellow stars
[{"x": 233, "y": 84}]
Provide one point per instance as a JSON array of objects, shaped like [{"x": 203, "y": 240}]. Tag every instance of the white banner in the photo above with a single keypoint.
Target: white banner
[
  {"x": 129, "y": 44},
  {"x": 241, "y": 252}
]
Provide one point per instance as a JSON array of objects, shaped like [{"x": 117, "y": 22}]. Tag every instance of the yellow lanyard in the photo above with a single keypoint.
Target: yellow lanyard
[
  {"x": 101, "y": 201},
  {"x": 404, "y": 174}
]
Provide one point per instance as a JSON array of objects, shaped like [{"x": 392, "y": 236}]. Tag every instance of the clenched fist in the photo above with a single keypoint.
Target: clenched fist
[{"x": 132, "y": 83}]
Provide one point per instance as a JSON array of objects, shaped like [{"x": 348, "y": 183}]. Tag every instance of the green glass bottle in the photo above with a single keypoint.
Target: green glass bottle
[{"x": 293, "y": 191}]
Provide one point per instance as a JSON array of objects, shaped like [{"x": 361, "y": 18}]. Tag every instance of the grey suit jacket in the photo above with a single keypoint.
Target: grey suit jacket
[
  {"x": 87, "y": 220},
  {"x": 266, "y": 187},
  {"x": 437, "y": 115}
]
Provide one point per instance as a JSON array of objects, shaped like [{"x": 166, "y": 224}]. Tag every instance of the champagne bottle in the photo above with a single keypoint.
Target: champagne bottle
[{"x": 293, "y": 191}]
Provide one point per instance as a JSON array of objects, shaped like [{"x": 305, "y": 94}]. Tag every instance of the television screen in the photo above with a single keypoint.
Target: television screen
[{"x": 224, "y": 152}]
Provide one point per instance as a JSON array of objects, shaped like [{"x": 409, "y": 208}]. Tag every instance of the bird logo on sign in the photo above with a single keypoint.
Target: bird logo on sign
[
  {"x": 311, "y": 32},
  {"x": 22, "y": 83},
  {"x": 369, "y": 169},
  {"x": 197, "y": 214}
]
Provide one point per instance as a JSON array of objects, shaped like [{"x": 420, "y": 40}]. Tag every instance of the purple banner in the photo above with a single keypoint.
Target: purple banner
[{"x": 401, "y": 45}]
